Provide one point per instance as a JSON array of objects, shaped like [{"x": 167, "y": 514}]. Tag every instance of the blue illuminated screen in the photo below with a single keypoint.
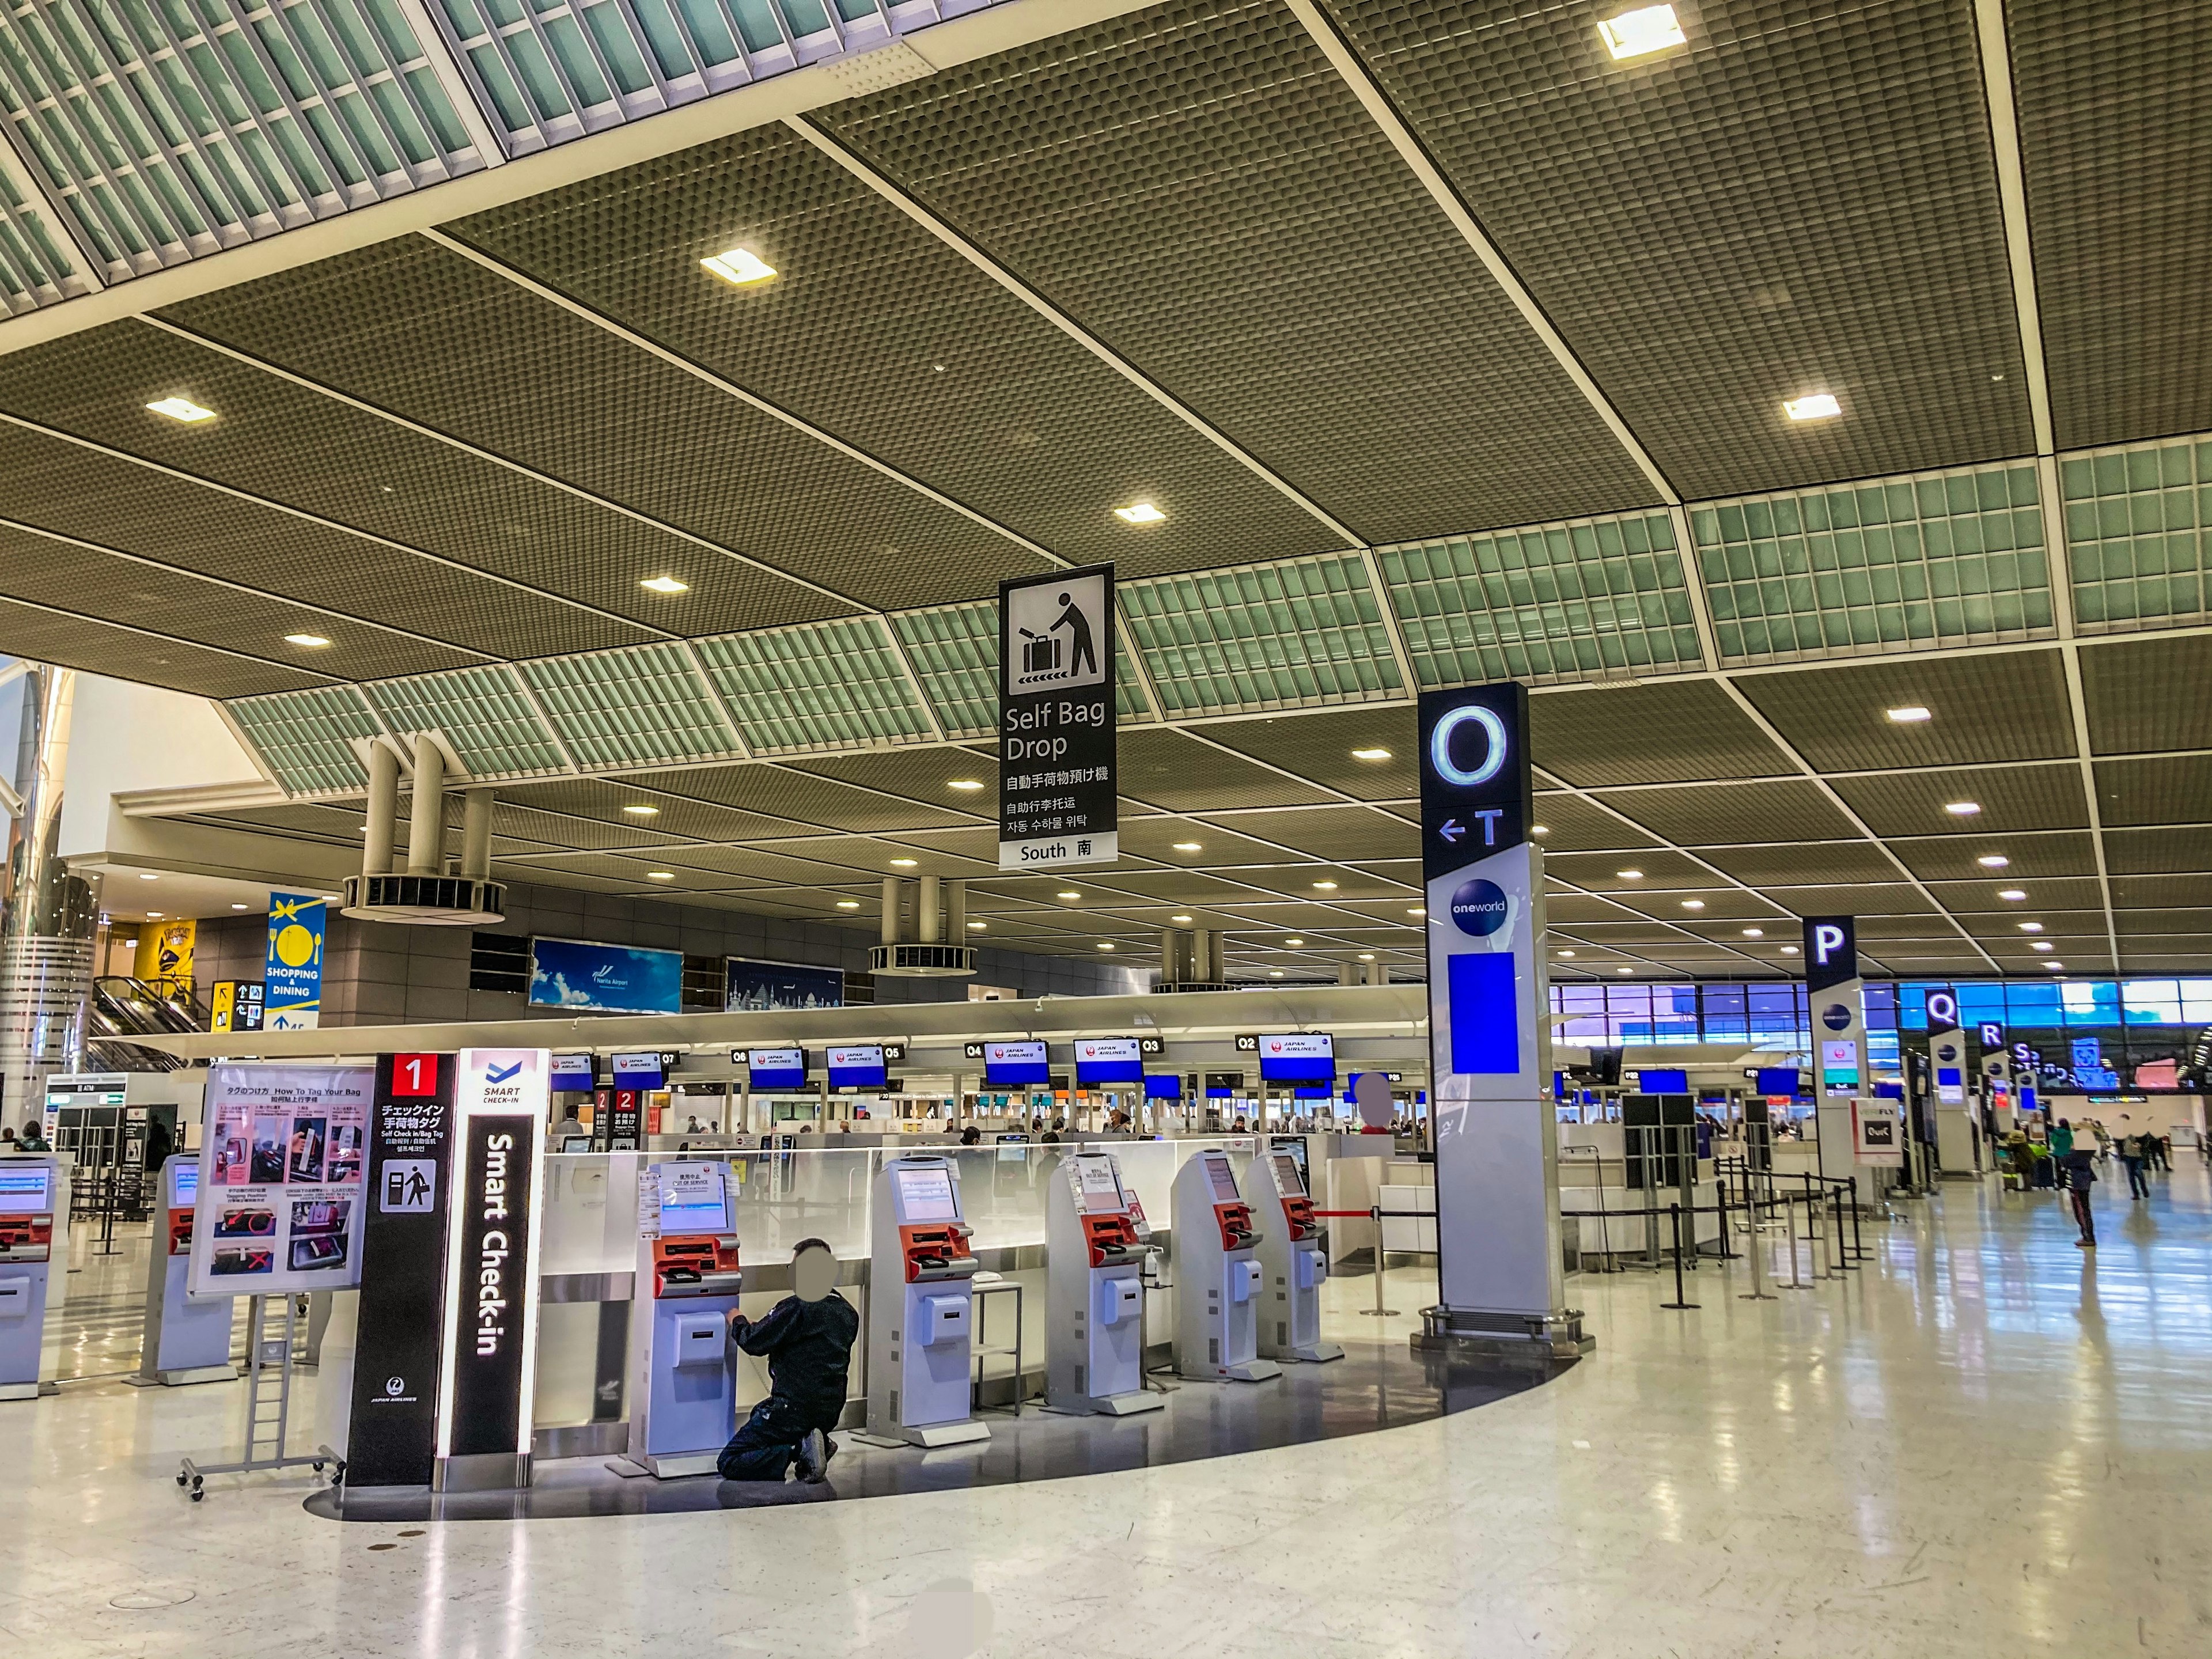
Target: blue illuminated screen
[
  {"x": 1162, "y": 1085},
  {"x": 1663, "y": 1083},
  {"x": 1015, "y": 1065}
]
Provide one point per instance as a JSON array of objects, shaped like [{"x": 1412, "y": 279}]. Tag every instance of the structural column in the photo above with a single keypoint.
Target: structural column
[
  {"x": 926, "y": 912},
  {"x": 426, "y": 828},
  {"x": 46, "y": 942},
  {"x": 476, "y": 834},
  {"x": 891, "y": 909},
  {"x": 383, "y": 810}
]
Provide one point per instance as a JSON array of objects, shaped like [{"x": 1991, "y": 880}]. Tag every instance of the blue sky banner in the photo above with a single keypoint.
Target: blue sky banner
[{"x": 608, "y": 979}]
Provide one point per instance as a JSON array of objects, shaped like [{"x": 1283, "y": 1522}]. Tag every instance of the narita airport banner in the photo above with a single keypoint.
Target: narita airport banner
[
  {"x": 279, "y": 1206},
  {"x": 1057, "y": 803}
]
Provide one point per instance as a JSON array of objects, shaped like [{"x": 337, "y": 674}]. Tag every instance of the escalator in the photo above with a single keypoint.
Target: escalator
[{"x": 122, "y": 1008}]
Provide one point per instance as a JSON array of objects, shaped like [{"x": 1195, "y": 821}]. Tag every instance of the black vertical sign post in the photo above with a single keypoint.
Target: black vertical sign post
[
  {"x": 1058, "y": 805},
  {"x": 392, "y": 1437}
]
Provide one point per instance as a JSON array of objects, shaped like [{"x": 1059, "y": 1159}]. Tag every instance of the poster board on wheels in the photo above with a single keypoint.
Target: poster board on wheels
[{"x": 279, "y": 1206}]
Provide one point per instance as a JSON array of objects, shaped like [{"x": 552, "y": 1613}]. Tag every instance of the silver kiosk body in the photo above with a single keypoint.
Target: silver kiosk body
[
  {"x": 1095, "y": 1291},
  {"x": 187, "y": 1339},
  {"x": 1293, "y": 1261},
  {"x": 921, "y": 1309},
  {"x": 1217, "y": 1269},
  {"x": 683, "y": 1377},
  {"x": 31, "y": 1192}
]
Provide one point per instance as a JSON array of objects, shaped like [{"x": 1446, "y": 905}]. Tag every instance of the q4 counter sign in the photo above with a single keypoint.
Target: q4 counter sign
[{"x": 1057, "y": 802}]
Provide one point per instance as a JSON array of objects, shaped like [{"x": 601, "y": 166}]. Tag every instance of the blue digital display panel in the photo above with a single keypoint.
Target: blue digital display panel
[
  {"x": 1948, "y": 1076},
  {"x": 1108, "y": 1060},
  {"x": 859, "y": 1066},
  {"x": 1297, "y": 1057},
  {"x": 639, "y": 1071},
  {"x": 1663, "y": 1083},
  {"x": 1485, "y": 1026},
  {"x": 776, "y": 1068},
  {"x": 1309, "y": 1094},
  {"x": 1889, "y": 1092},
  {"x": 567, "y": 973},
  {"x": 1015, "y": 1065},
  {"x": 1778, "y": 1080},
  {"x": 1164, "y": 1085}
]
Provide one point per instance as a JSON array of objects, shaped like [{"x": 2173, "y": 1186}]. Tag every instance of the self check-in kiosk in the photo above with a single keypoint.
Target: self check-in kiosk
[
  {"x": 921, "y": 1309},
  {"x": 29, "y": 1193},
  {"x": 187, "y": 1338},
  {"x": 1095, "y": 1301},
  {"x": 1293, "y": 1261},
  {"x": 1218, "y": 1275},
  {"x": 683, "y": 1386}
]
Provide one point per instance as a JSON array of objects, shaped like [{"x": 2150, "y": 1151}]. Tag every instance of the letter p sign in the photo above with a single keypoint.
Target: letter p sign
[{"x": 1828, "y": 940}]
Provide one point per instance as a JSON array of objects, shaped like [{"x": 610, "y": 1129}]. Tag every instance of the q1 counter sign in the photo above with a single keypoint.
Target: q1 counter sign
[{"x": 1057, "y": 802}]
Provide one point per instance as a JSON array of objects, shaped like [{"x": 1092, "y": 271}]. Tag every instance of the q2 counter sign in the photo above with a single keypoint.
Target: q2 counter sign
[{"x": 1057, "y": 800}]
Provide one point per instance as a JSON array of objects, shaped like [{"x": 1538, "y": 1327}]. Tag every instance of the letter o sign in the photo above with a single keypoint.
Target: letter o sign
[{"x": 1493, "y": 759}]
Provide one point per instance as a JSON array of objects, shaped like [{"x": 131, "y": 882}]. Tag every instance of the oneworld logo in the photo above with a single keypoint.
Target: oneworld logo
[
  {"x": 1480, "y": 907},
  {"x": 1835, "y": 1017}
]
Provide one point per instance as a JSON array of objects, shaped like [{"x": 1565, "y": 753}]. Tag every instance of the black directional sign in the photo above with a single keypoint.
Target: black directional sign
[
  {"x": 1057, "y": 801},
  {"x": 1477, "y": 790}
]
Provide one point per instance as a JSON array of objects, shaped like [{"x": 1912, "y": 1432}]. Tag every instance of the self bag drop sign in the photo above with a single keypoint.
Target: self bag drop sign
[{"x": 1057, "y": 802}]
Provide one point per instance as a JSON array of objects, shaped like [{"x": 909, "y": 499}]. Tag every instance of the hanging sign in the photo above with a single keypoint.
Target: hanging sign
[
  {"x": 1057, "y": 800},
  {"x": 293, "y": 971}
]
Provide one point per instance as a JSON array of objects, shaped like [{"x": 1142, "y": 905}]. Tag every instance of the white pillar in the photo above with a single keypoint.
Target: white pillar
[
  {"x": 46, "y": 952},
  {"x": 891, "y": 909},
  {"x": 476, "y": 834},
  {"x": 955, "y": 910},
  {"x": 426, "y": 827},
  {"x": 926, "y": 912},
  {"x": 383, "y": 808}
]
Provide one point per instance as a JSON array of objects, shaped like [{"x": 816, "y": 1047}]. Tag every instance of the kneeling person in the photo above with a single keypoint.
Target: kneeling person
[{"x": 807, "y": 1340}]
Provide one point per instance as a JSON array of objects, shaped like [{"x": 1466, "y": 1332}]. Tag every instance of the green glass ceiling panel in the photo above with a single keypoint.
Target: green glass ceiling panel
[
  {"x": 483, "y": 714},
  {"x": 2137, "y": 533},
  {"x": 1550, "y": 602},
  {"x": 305, "y": 738},
  {"x": 642, "y": 706},
  {"x": 1955, "y": 557},
  {"x": 1293, "y": 635},
  {"x": 36, "y": 268},
  {"x": 955, "y": 650},
  {"x": 822, "y": 685}
]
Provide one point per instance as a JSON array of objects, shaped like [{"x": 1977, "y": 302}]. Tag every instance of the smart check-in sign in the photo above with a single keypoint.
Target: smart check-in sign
[{"x": 1057, "y": 802}]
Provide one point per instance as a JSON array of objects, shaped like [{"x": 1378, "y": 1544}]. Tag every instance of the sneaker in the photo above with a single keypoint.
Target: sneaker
[
  {"x": 828, "y": 1451},
  {"x": 813, "y": 1458}
]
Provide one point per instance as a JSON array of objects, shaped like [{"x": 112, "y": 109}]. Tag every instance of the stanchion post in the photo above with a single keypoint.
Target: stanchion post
[
  {"x": 1675, "y": 1215},
  {"x": 1857, "y": 1249},
  {"x": 1720, "y": 1199},
  {"x": 1790, "y": 1230},
  {"x": 1378, "y": 1312},
  {"x": 1754, "y": 1246}
]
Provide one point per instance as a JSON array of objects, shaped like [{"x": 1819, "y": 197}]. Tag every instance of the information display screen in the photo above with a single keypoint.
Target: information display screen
[
  {"x": 1221, "y": 1181},
  {"x": 24, "y": 1192},
  {"x": 1100, "y": 1185},
  {"x": 1013, "y": 1149},
  {"x": 777, "y": 1068},
  {"x": 860, "y": 1066},
  {"x": 1015, "y": 1065},
  {"x": 691, "y": 1199},
  {"x": 1164, "y": 1085},
  {"x": 639, "y": 1071},
  {"x": 186, "y": 1180},
  {"x": 1654, "y": 1082},
  {"x": 1108, "y": 1060},
  {"x": 573, "y": 1071},
  {"x": 1839, "y": 1065},
  {"x": 926, "y": 1195},
  {"x": 1778, "y": 1080},
  {"x": 1297, "y": 1057},
  {"x": 1288, "y": 1176}
]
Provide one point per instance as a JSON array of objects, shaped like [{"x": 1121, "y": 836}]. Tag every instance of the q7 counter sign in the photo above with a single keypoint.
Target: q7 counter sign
[{"x": 1057, "y": 802}]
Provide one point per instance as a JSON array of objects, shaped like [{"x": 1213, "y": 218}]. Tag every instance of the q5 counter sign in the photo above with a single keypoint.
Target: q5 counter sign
[
  {"x": 1057, "y": 801},
  {"x": 1498, "y": 1231}
]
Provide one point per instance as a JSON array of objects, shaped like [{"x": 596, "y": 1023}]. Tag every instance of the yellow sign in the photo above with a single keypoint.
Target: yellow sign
[
  {"x": 220, "y": 1000},
  {"x": 166, "y": 952}
]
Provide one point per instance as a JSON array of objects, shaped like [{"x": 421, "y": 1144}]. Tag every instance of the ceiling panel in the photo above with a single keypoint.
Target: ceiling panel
[
  {"x": 1319, "y": 746},
  {"x": 2150, "y": 792},
  {"x": 2148, "y": 694},
  {"x": 2161, "y": 892},
  {"x": 1972, "y": 898},
  {"x": 1717, "y": 902},
  {"x": 917, "y": 774},
  {"x": 1680, "y": 733},
  {"x": 881, "y": 334},
  {"x": 1572, "y": 824},
  {"x": 1955, "y": 857},
  {"x": 2157, "y": 852},
  {"x": 1169, "y": 770},
  {"x": 1800, "y": 866},
  {"x": 1600, "y": 872},
  {"x": 2011, "y": 706},
  {"x": 1913, "y": 804},
  {"x": 1859, "y": 899},
  {"x": 800, "y": 798},
  {"x": 1806, "y": 195},
  {"x": 122, "y": 653},
  {"x": 2187, "y": 929},
  {"x": 405, "y": 325},
  {"x": 1349, "y": 833},
  {"x": 1729, "y": 814},
  {"x": 682, "y": 812},
  {"x": 2114, "y": 134},
  {"x": 1327, "y": 316}
]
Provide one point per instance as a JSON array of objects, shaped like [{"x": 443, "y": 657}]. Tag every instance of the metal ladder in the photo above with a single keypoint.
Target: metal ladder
[{"x": 268, "y": 1360}]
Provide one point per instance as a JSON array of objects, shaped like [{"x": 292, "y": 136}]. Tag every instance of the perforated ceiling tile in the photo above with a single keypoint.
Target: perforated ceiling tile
[
  {"x": 799, "y": 797},
  {"x": 921, "y": 775},
  {"x": 2010, "y": 798},
  {"x": 1550, "y": 602},
  {"x": 1948, "y": 857},
  {"x": 1572, "y": 825},
  {"x": 71, "y": 490},
  {"x": 1166, "y": 770},
  {"x": 955, "y": 651},
  {"x": 824, "y": 686},
  {"x": 2146, "y": 694},
  {"x": 40, "y": 633},
  {"x": 305, "y": 738},
  {"x": 2013, "y": 706},
  {"x": 2154, "y": 792},
  {"x": 1889, "y": 564},
  {"x": 1664, "y": 733},
  {"x": 2137, "y": 533},
  {"x": 877, "y": 331},
  {"x": 431, "y": 334},
  {"x": 1326, "y": 316},
  {"x": 1351, "y": 833},
  {"x": 644, "y": 707},
  {"x": 1294, "y": 635},
  {"x": 1803, "y": 201},
  {"x": 1735, "y": 813},
  {"x": 2116, "y": 136},
  {"x": 2155, "y": 852},
  {"x": 481, "y": 712},
  {"x": 274, "y": 439},
  {"x": 1810, "y": 864},
  {"x": 1366, "y": 752}
]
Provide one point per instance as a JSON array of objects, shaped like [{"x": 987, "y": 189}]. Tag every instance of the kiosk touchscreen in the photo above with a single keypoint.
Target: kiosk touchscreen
[
  {"x": 682, "y": 1386},
  {"x": 29, "y": 1189},
  {"x": 1293, "y": 1260},
  {"x": 1218, "y": 1275},
  {"x": 187, "y": 1338},
  {"x": 1095, "y": 1291},
  {"x": 920, "y": 1308}
]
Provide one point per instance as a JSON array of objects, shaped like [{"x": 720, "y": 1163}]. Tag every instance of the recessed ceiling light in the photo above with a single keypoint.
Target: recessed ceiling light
[
  {"x": 1294, "y": 941},
  {"x": 1993, "y": 860},
  {"x": 1178, "y": 918},
  {"x": 1324, "y": 887},
  {"x": 238, "y": 907},
  {"x": 1788, "y": 950},
  {"x": 182, "y": 409},
  {"x": 2031, "y": 928},
  {"x": 1371, "y": 754},
  {"x": 660, "y": 875},
  {"x": 974, "y": 927},
  {"x": 1540, "y": 829},
  {"x": 2014, "y": 893},
  {"x": 848, "y": 904},
  {"x": 312, "y": 641},
  {"x": 148, "y": 875},
  {"x": 1566, "y": 953},
  {"x": 1068, "y": 893},
  {"x": 664, "y": 585},
  {"x": 740, "y": 265},
  {"x": 1624, "y": 970},
  {"x": 904, "y": 863},
  {"x": 1963, "y": 808},
  {"x": 1105, "y": 944},
  {"x": 1139, "y": 512},
  {"x": 1646, "y": 29},
  {"x": 1912, "y": 714},
  {"x": 1417, "y": 910},
  {"x": 1367, "y": 956},
  {"x": 1754, "y": 933},
  {"x": 2055, "y": 967},
  {"x": 965, "y": 783},
  {"x": 1630, "y": 875},
  {"x": 1693, "y": 904},
  {"x": 153, "y": 916},
  {"x": 2041, "y": 945},
  {"x": 1188, "y": 846},
  {"x": 1275, "y": 973},
  {"x": 640, "y": 809},
  {"x": 1821, "y": 406}
]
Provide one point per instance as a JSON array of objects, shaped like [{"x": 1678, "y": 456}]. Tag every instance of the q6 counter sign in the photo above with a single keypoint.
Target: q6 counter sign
[{"x": 1057, "y": 802}]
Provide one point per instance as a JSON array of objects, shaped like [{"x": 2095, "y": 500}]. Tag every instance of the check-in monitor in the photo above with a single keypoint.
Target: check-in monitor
[
  {"x": 776, "y": 1068},
  {"x": 1101, "y": 1184},
  {"x": 183, "y": 1183},
  {"x": 1653, "y": 1081},
  {"x": 1288, "y": 1174},
  {"x": 1013, "y": 1149},
  {"x": 639, "y": 1071},
  {"x": 926, "y": 1194},
  {"x": 859, "y": 1066},
  {"x": 573, "y": 1073},
  {"x": 1107, "y": 1060},
  {"x": 575, "y": 1143},
  {"x": 693, "y": 1200},
  {"x": 25, "y": 1191},
  {"x": 1779, "y": 1080},
  {"x": 1015, "y": 1065},
  {"x": 1219, "y": 1177},
  {"x": 1164, "y": 1085},
  {"x": 1297, "y": 1057}
]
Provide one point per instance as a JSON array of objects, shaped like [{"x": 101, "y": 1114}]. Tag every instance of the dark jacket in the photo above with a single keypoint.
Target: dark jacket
[
  {"x": 2081, "y": 1168},
  {"x": 809, "y": 1346}
]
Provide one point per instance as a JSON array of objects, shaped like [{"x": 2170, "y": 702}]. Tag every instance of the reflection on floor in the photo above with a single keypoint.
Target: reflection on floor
[
  {"x": 1378, "y": 1384},
  {"x": 1981, "y": 1443}
]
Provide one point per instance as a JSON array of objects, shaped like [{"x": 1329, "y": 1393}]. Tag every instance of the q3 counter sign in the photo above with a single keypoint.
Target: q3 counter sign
[
  {"x": 293, "y": 975},
  {"x": 1057, "y": 801}
]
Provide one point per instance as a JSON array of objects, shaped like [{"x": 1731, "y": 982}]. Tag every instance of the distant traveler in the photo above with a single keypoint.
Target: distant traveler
[
  {"x": 32, "y": 1140},
  {"x": 7, "y": 1138},
  {"x": 2161, "y": 1152},
  {"x": 2131, "y": 1154},
  {"x": 2061, "y": 1144},
  {"x": 971, "y": 1136},
  {"x": 2082, "y": 1175},
  {"x": 807, "y": 1340}
]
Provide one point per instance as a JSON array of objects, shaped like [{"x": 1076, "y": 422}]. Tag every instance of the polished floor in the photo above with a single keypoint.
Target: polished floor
[{"x": 1981, "y": 1442}]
